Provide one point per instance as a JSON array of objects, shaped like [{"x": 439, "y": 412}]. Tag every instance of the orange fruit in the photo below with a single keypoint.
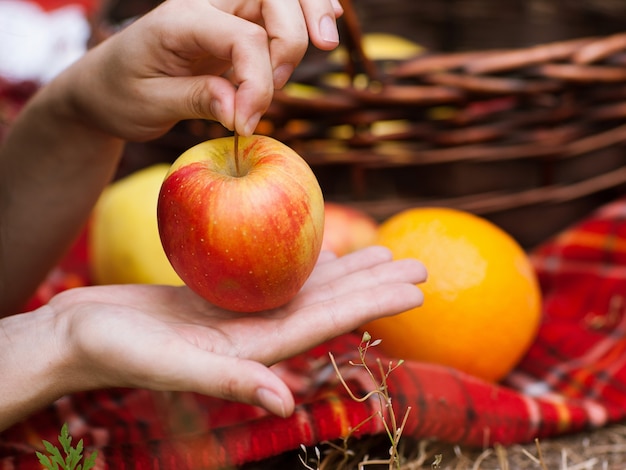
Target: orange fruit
[{"x": 482, "y": 301}]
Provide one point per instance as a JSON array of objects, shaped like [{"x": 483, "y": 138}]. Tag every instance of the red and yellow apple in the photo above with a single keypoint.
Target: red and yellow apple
[
  {"x": 242, "y": 228},
  {"x": 347, "y": 229}
]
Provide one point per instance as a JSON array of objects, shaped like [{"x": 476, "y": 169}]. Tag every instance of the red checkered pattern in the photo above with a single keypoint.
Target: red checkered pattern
[{"x": 572, "y": 379}]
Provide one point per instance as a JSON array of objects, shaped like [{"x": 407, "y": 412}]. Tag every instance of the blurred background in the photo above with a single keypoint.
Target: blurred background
[{"x": 534, "y": 144}]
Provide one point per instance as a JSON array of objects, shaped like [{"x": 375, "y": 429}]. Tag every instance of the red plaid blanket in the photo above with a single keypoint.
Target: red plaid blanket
[{"x": 572, "y": 379}]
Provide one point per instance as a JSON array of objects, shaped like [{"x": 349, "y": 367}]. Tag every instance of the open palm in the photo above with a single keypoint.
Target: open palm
[{"x": 168, "y": 338}]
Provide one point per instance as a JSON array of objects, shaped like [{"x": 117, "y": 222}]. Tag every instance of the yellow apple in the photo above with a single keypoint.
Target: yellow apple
[
  {"x": 381, "y": 46},
  {"x": 124, "y": 242}
]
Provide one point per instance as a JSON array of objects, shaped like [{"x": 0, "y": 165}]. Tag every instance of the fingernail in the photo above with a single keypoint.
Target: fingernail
[
  {"x": 282, "y": 74},
  {"x": 271, "y": 402},
  {"x": 328, "y": 29}
]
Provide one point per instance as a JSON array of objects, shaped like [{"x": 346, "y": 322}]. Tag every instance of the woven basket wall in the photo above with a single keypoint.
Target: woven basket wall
[{"x": 523, "y": 122}]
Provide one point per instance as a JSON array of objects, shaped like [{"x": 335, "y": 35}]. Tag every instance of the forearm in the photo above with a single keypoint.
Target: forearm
[{"x": 52, "y": 169}]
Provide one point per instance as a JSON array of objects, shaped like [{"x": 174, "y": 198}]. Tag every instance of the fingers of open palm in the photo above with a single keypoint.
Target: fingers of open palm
[
  {"x": 356, "y": 289},
  {"x": 338, "y": 307},
  {"x": 336, "y": 268},
  {"x": 360, "y": 282},
  {"x": 337, "y": 315},
  {"x": 343, "y": 314}
]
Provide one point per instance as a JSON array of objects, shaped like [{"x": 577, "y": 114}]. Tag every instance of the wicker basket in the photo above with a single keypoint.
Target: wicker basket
[{"x": 530, "y": 137}]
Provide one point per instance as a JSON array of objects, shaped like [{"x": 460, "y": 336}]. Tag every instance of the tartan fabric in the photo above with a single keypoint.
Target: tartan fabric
[{"x": 572, "y": 379}]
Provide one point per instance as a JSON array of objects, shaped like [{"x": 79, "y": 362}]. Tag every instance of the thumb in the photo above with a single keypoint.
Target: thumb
[
  {"x": 200, "y": 97},
  {"x": 226, "y": 377}
]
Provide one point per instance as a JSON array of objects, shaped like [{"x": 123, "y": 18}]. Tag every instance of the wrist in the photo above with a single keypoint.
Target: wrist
[{"x": 32, "y": 377}]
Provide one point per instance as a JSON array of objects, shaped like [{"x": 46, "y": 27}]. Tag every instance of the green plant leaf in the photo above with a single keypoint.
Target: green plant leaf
[
  {"x": 55, "y": 455},
  {"x": 45, "y": 461},
  {"x": 90, "y": 462},
  {"x": 65, "y": 439},
  {"x": 73, "y": 456}
]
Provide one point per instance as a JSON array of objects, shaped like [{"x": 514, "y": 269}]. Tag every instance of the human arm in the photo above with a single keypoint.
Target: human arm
[
  {"x": 185, "y": 59},
  {"x": 168, "y": 338}
]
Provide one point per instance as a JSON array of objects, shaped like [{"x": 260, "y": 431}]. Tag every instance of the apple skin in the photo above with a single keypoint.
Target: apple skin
[
  {"x": 347, "y": 229},
  {"x": 245, "y": 243}
]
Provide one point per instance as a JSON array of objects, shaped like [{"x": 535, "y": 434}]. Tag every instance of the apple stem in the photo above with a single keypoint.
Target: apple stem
[{"x": 236, "y": 152}]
